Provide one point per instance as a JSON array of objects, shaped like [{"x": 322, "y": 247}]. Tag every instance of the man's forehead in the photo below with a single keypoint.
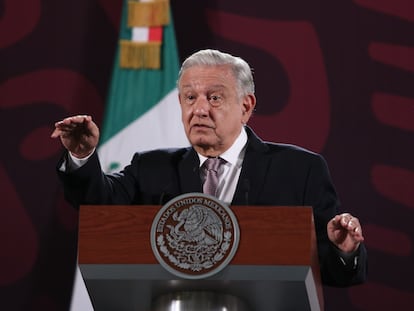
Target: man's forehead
[{"x": 197, "y": 85}]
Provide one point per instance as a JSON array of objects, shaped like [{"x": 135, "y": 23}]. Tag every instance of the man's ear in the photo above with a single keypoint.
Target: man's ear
[{"x": 249, "y": 103}]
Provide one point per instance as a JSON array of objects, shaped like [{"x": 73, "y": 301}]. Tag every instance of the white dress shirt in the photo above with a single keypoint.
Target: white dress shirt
[{"x": 230, "y": 174}]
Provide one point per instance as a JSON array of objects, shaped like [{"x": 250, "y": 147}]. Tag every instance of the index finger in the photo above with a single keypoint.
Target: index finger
[
  {"x": 77, "y": 119},
  {"x": 73, "y": 120}
]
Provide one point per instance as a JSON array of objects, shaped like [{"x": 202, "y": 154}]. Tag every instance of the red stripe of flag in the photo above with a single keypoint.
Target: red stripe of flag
[{"x": 155, "y": 34}]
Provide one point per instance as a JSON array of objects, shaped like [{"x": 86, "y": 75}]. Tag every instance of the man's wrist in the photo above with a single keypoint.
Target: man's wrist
[
  {"x": 75, "y": 162},
  {"x": 81, "y": 156},
  {"x": 349, "y": 259}
]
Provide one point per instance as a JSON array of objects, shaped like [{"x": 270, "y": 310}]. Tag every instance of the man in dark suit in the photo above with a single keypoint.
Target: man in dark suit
[{"x": 216, "y": 94}]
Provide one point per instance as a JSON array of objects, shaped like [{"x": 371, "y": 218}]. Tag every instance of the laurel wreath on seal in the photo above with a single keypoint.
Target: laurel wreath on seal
[{"x": 196, "y": 266}]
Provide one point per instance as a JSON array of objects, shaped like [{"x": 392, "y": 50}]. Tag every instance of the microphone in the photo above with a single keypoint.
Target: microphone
[
  {"x": 161, "y": 201},
  {"x": 164, "y": 193},
  {"x": 246, "y": 189}
]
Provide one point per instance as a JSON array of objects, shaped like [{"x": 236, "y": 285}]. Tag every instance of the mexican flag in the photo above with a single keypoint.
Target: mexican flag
[{"x": 142, "y": 110}]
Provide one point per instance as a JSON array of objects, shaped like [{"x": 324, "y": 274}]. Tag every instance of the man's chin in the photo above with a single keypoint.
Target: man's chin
[{"x": 201, "y": 141}]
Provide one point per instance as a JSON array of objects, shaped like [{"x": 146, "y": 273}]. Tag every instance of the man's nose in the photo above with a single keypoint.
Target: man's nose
[{"x": 201, "y": 107}]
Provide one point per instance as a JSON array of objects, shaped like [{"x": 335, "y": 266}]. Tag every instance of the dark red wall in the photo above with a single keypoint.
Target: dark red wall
[{"x": 333, "y": 76}]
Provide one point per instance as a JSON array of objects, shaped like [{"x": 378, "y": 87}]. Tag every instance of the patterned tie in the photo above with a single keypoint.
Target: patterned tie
[{"x": 212, "y": 167}]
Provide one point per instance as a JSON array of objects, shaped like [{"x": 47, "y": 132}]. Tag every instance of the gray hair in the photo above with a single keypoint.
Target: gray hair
[{"x": 241, "y": 69}]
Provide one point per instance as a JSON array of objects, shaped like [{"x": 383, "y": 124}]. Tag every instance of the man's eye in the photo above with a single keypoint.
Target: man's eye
[{"x": 214, "y": 98}]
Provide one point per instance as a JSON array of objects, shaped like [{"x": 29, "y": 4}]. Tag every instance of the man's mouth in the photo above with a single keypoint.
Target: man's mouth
[{"x": 202, "y": 126}]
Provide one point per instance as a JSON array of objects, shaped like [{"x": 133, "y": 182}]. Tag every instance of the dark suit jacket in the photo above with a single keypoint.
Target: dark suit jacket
[{"x": 272, "y": 174}]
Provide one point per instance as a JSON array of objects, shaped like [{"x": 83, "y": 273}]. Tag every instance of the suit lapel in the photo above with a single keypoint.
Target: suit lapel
[
  {"x": 253, "y": 171},
  {"x": 252, "y": 175},
  {"x": 189, "y": 173}
]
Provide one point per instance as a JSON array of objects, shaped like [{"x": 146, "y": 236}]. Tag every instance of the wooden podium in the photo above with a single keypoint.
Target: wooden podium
[{"x": 275, "y": 266}]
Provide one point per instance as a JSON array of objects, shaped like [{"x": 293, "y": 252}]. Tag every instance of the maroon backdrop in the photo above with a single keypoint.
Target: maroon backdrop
[{"x": 333, "y": 76}]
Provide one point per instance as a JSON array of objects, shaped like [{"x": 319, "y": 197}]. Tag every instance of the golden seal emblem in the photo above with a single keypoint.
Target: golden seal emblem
[{"x": 194, "y": 236}]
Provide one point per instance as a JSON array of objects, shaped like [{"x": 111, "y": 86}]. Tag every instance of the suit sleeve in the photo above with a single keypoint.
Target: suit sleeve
[
  {"x": 336, "y": 270},
  {"x": 89, "y": 185}
]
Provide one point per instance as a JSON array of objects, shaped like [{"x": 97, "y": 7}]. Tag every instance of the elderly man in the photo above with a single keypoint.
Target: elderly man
[{"x": 216, "y": 95}]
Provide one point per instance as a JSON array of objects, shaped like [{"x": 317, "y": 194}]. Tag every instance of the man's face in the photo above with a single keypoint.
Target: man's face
[{"x": 212, "y": 110}]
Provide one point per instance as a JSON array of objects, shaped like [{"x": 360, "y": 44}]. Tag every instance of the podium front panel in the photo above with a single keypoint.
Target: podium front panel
[{"x": 274, "y": 268}]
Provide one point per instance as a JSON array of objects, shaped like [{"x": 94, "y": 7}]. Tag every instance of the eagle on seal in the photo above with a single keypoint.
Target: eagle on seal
[{"x": 198, "y": 224}]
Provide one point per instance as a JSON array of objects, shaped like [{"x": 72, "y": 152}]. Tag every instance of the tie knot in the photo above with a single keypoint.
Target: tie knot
[{"x": 213, "y": 164}]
